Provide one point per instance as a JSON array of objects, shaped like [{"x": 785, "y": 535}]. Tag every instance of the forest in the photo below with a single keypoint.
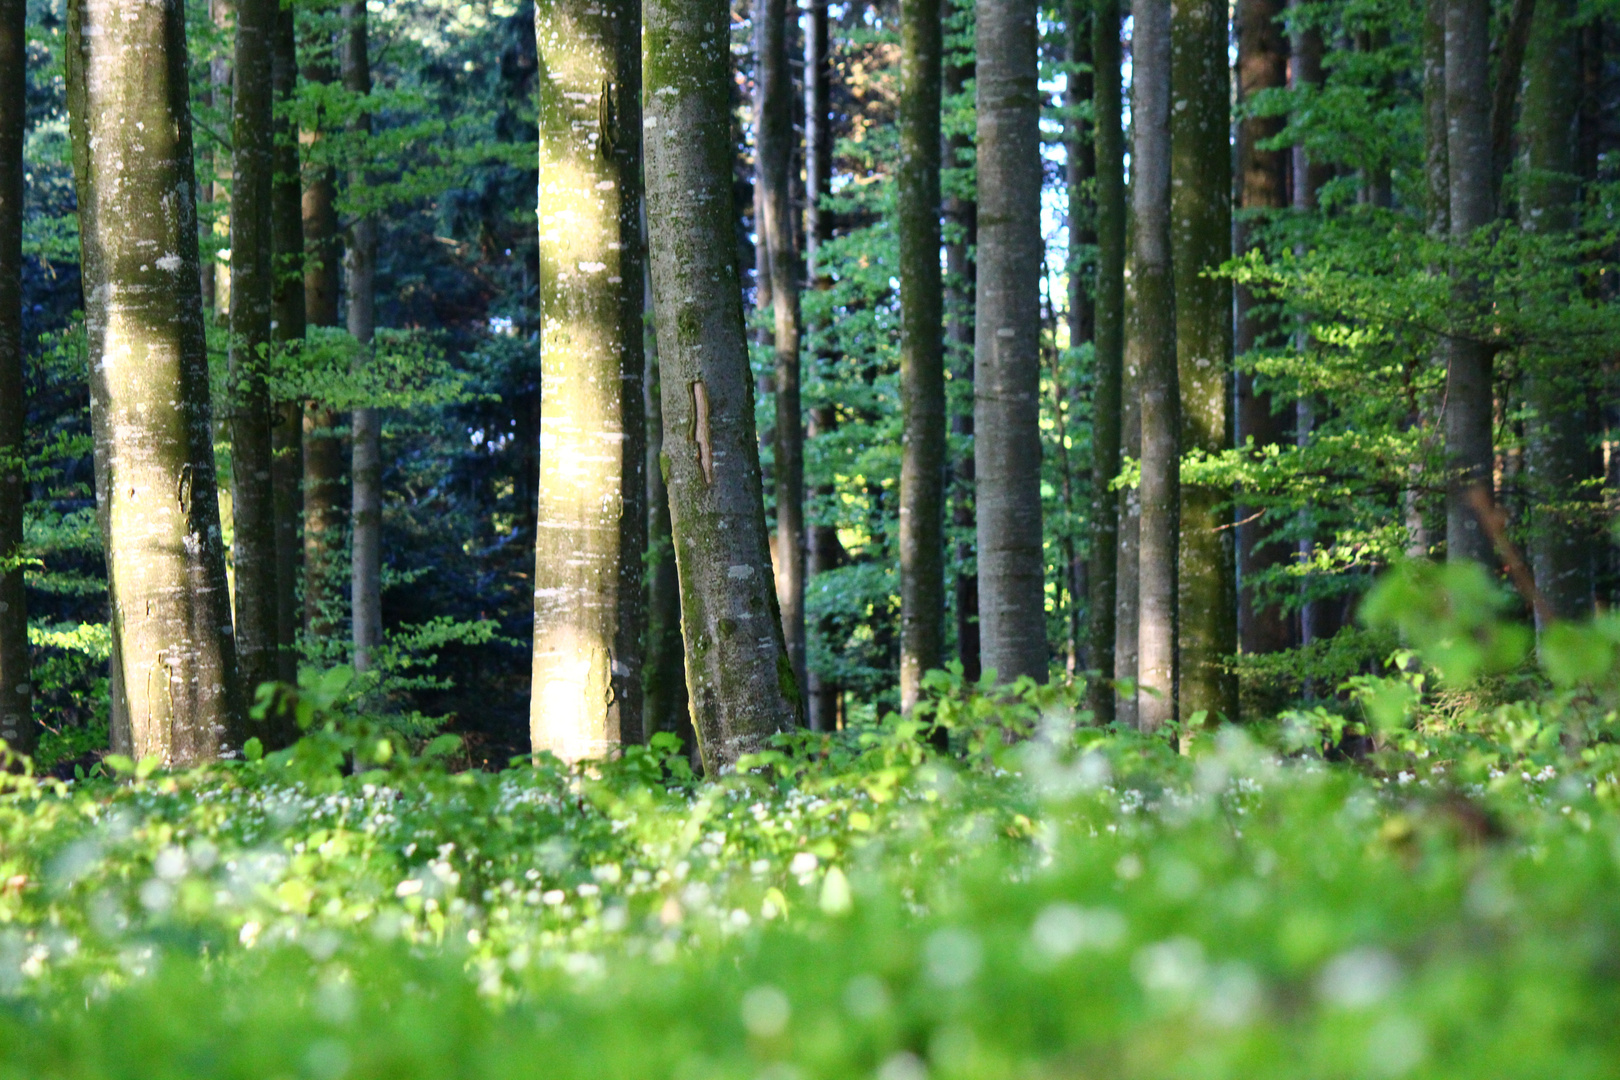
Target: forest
[{"x": 742, "y": 539}]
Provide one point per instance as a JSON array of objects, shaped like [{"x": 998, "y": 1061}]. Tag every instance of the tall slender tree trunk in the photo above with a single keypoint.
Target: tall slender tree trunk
[
  {"x": 16, "y": 686},
  {"x": 1468, "y": 367},
  {"x": 590, "y": 534},
  {"x": 1080, "y": 165},
  {"x": 922, "y": 360},
  {"x": 961, "y": 237},
  {"x": 365, "y": 467},
  {"x": 1007, "y": 362},
  {"x": 326, "y": 493},
  {"x": 1263, "y": 189},
  {"x": 1127, "y": 591},
  {"x": 775, "y": 167},
  {"x": 1308, "y": 177},
  {"x": 1107, "y": 109},
  {"x": 152, "y": 423},
  {"x": 1559, "y": 458},
  {"x": 1437, "y": 223},
  {"x": 287, "y": 332},
  {"x": 739, "y": 675},
  {"x": 1201, "y": 240},
  {"x": 252, "y": 283}
]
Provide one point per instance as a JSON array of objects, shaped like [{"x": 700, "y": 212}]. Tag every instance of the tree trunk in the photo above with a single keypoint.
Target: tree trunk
[
  {"x": 739, "y": 675},
  {"x": 253, "y": 495},
  {"x": 590, "y": 532},
  {"x": 1007, "y": 362},
  {"x": 961, "y": 237},
  {"x": 1080, "y": 163},
  {"x": 16, "y": 688},
  {"x": 1263, "y": 189},
  {"x": 1558, "y": 457},
  {"x": 365, "y": 466},
  {"x": 1201, "y": 237},
  {"x": 1128, "y": 507},
  {"x": 1437, "y": 222},
  {"x": 922, "y": 361},
  {"x": 775, "y": 167},
  {"x": 1107, "y": 404},
  {"x": 1468, "y": 367},
  {"x": 287, "y": 330},
  {"x": 150, "y": 414},
  {"x": 326, "y": 494}
]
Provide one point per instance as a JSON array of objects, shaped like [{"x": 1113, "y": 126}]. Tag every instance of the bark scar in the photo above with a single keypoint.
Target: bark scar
[
  {"x": 605, "y": 124},
  {"x": 182, "y": 488},
  {"x": 700, "y": 430}
]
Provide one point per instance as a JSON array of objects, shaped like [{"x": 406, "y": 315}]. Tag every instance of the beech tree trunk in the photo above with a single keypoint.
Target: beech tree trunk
[
  {"x": 253, "y": 495},
  {"x": 16, "y": 687},
  {"x": 286, "y": 331},
  {"x": 739, "y": 675},
  {"x": 1201, "y": 238},
  {"x": 922, "y": 360},
  {"x": 775, "y": 168},
  {"x": 1154, "y": 325},
  {"x": 1263, "y": 189},
  {"x": 1468, "y": 367},
  {"x": 150, "y": 414},
  {"x": 1007, "y": 326},
  {"x": 1080, "y": 165},
  {"x": 1109, "y": 154},
  {"x": 590, "y": 534},
  {"x": 365, "y": 466},
  {"x": 961, "y": 236},
  {"x": 1558, "y": 457},
  {"x": 1127, "y": 592}
]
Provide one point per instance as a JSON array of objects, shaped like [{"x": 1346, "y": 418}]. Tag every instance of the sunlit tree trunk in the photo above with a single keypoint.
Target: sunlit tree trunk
[
  {"x": 1263, "y": 188},
  {"x": 961, "y": 237},
  {"x": 739, "y": 675},
  {"x": 253, "y": 495},
  {"x": 775, "y": 168},
  {"x": 16, "y": 687},
  {"x": 1559, "y": 457},
  {"x": 922, "y": 361},
  {"x": 150, "y": 414},
  {"x": 1201, "y": 239},
  {"x": 1109, "y": 155},
  {"x": 590, "y": 533},
  {"x": 1468, "y": 367},
  {"x": 1007, "y": 325},
  {"x": 287, "y": 330},
  {"x": 365, "y": 465}
]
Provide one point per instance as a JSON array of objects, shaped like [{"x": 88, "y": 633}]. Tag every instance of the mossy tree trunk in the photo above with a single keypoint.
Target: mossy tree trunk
[
  {"x": 1007, "y": 326},
  {"x": 922, "y": 359},
  {"x": 590, "y": 534},
  {"x": 150, "y": 413},
  {"x": 1153, "y": 324},
  {"x": 739, "y": 675},
  {"x": 16, "y": 686},
  {"x": 287, "y": 332},
  {"x": 1201, "y": 241}
]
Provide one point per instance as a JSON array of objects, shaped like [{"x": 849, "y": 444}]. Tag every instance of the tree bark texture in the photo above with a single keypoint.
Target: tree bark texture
[
  {"x": 1080, "y": 169},
  {"x": 1468, "y": 366},
  {"x": 590, "y": 530},
  {"x": 150, "y": 413},
  {"x": 1262, "y": 190},
  {"x": 1007, "y": 363},
  {"x": 253, "y": 548},
  {"x": 922, "y": 357},
  {"x": 1109, "y": 143},
  {"x": 739, "y": 676},
  {"x": 1558, "y": 455},
  {"x": 1201, "y": 240},
  {"x": 1154, "y": 325},
  {"x": 961, "y": 236},
  {"x": 16, "y": 686},
  {"x": 287, "y": 331},
  {"x": 663, "y": 673},
  {"x": 365, "y": 463}
]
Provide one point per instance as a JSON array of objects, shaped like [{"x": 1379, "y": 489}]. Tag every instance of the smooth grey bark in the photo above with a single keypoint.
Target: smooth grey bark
[
  {"x": 1007, "y": 325},
  {"x": 961, "y": 235},
  {"x": 1262, "y": 190},
  {"x": 150, "y": 414},
  {"x": 922, "y": 357},
  {"x": 287, "y": 331},
  {"x": 1106, "y": 408},
  {"x": 253, "y": 505},
  {"x": 365, "y": 467},
  {"x": 590, "y": 527},
  {"x": 739, "y": 676},
  {"x": 775, "y": 148},
  {"x": 1558, "y": 454},
  {"x": 1154, "y": 326},
  {"x": 1201, "y": 241},
  {"x": 17, "y": 727},
  {"x": 1468, "y": 360}
]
